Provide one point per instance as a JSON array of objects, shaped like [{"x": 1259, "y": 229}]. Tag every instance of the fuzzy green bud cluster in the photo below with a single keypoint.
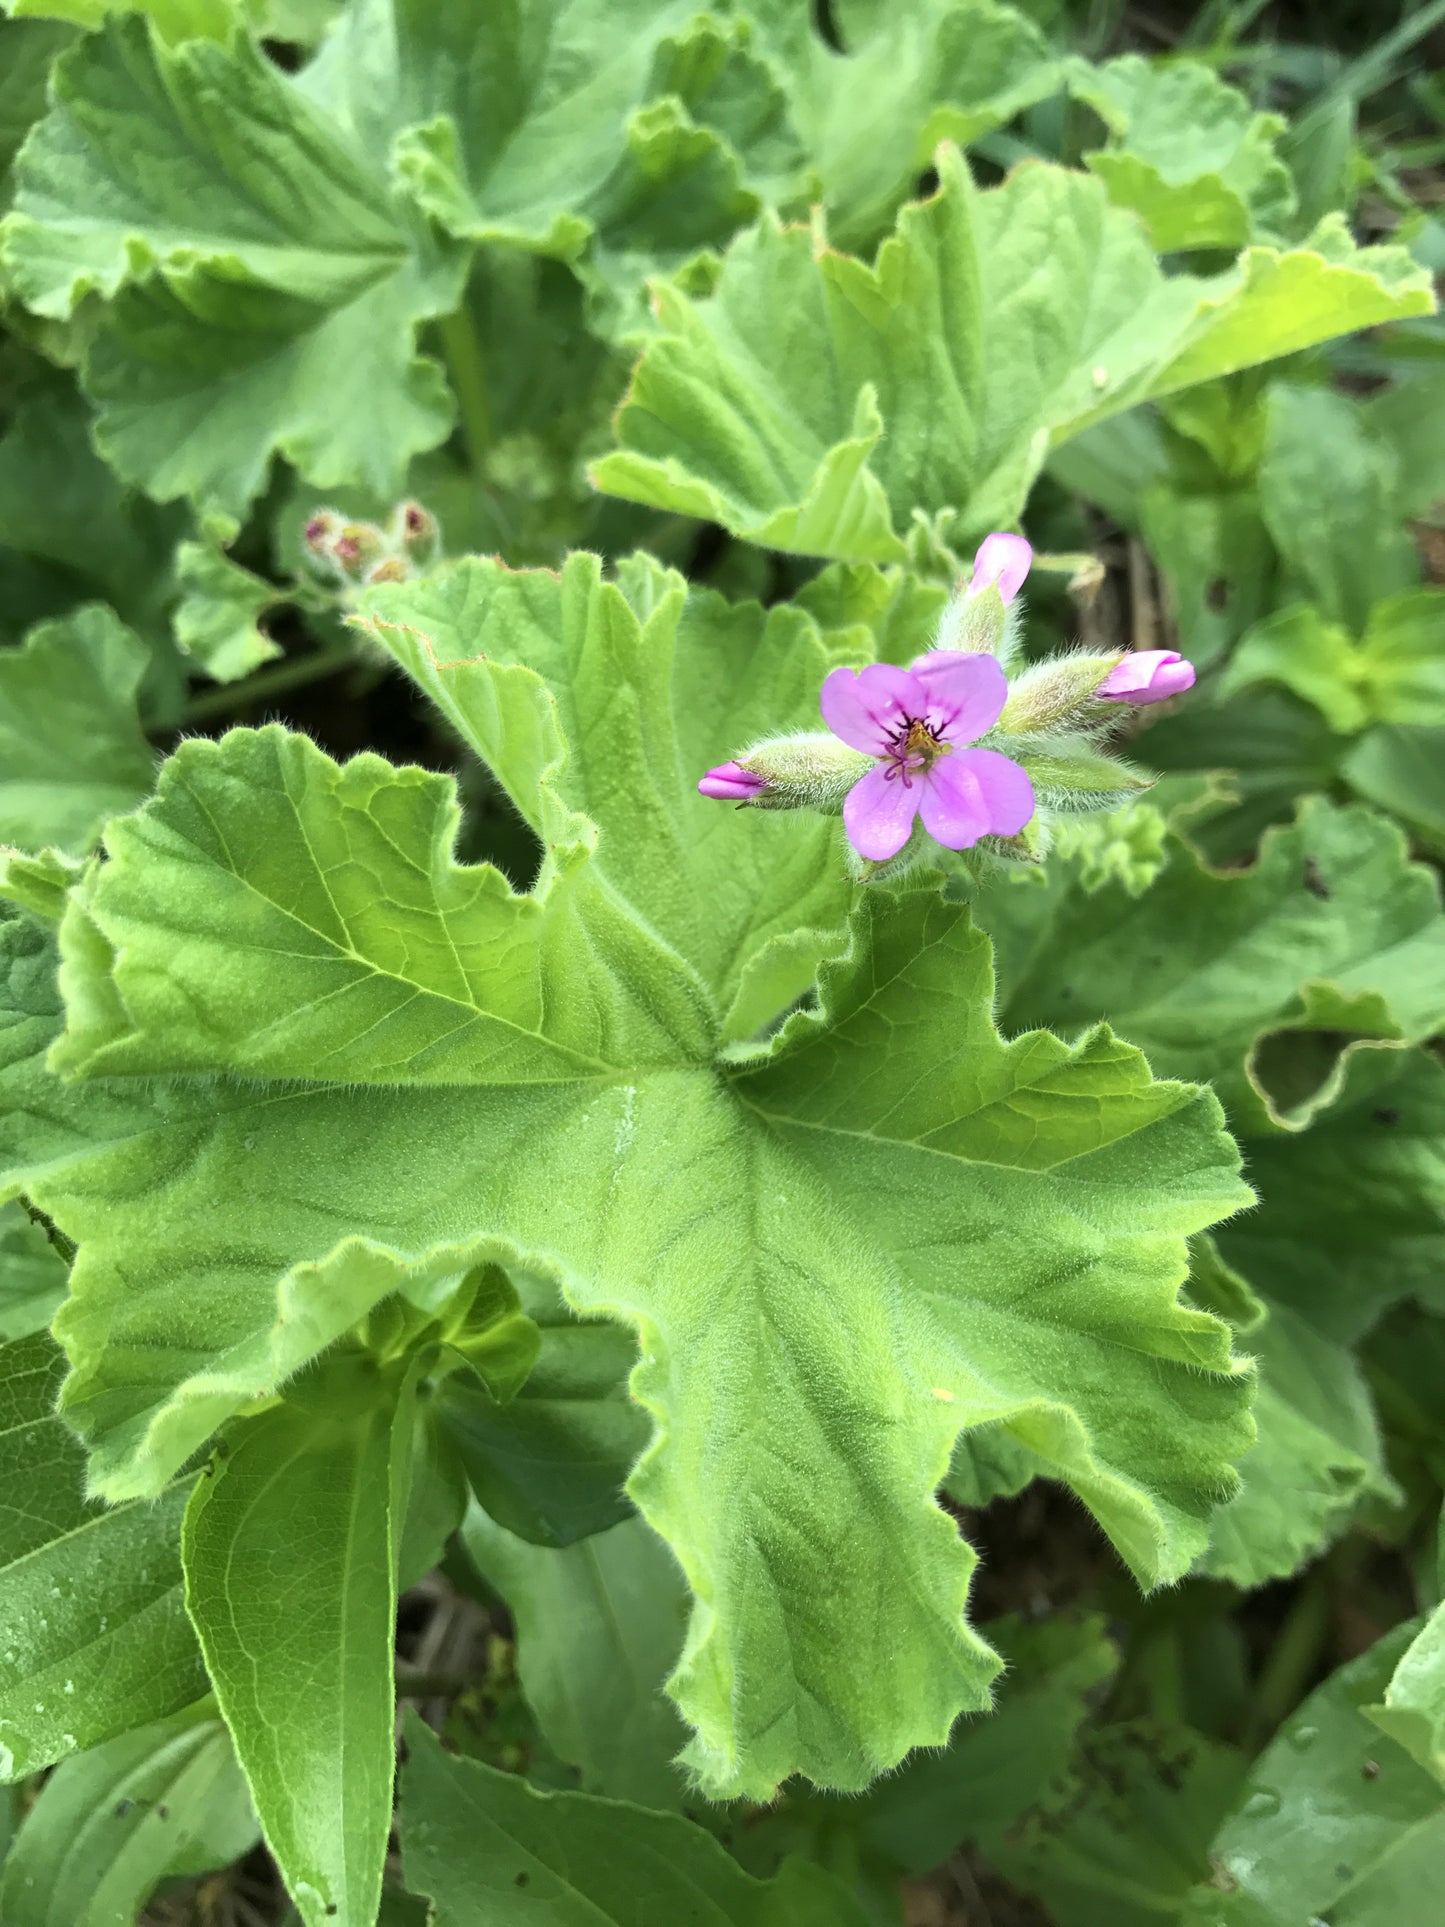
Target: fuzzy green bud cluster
[{"x": 356, "y": 552}]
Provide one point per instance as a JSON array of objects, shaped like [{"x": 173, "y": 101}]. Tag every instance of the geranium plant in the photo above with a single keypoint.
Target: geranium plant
[{"x": 614, "y": 1054}]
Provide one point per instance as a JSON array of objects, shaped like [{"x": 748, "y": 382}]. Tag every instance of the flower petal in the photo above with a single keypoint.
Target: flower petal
[
  {"x": 966, "y": 693},
  {"x": 731, "y": 783},
  {"x": 865, "y": 706},
  {"x": 1147, "y": 676},
  {"x": 974, "y": 793},
  {"x": 1004, "y": 560},
  {"x": 878, "y": 813}
]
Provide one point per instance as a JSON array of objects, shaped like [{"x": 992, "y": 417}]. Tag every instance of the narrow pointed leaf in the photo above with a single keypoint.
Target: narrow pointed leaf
[
  {"x": 291, "y": 1543},
  {"x": 163, "y": 1802},
  {"x": 96, "y": 1637},
  {"x": 484, "y": 1844}
]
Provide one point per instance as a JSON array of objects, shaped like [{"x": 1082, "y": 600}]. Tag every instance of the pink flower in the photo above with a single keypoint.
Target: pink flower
[
  {"x": 917, "y": 722},
  {"x": 1150, "y": 677},
  {"x": 1003, "y": 560},
  {"x": 731, "y": 783}
]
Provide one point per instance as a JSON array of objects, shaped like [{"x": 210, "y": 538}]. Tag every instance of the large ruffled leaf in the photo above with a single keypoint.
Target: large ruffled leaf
[
  {"x": 837, "y": 1251},
  {"x": 1187, "y": 152},
  {"x": 264, "y": 283},
  {"x": 1266, "y": 981},
  {"x": 813, "y": 402},
  {"x": 580, "y": 130}
]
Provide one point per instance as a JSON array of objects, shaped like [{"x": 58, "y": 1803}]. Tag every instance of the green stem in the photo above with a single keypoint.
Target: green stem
[
  {"x": 292, "y": 674},
  {"x": 1293, "y": 1657},
  {"x": 419, "y": 1684},
  {"x": 469, "y": 380}
]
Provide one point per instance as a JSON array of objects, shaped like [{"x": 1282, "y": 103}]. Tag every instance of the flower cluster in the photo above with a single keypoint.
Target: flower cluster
[{"x": 907, "y": 752}]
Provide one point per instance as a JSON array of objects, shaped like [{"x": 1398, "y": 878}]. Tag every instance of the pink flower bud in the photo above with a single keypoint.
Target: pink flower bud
[
  {"x": 1004, "y": 561},
  {"x": 1149, "y": 677},
  {"x": 731, "y": 783}
]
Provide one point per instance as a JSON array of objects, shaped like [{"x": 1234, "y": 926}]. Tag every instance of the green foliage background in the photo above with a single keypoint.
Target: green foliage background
[{"x": 779, "y": 1402}]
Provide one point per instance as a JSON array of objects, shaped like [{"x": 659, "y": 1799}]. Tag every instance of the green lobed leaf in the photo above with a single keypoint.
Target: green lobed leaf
[
  {"x": 218, "y": 617},
  {"x": 613, "y": 698},
  {"x": 1329, "y": 488},
  {"x": 1356, "y": 1204},
  {"x": 556, "y": 138},
  {"x": 96, "y": 1639},
  {"x": 165, "y": 1801},
  {"x": 290, "y": 1550},
  {"x": 549, "y": 1464},
  {"x": 785, "y": 405},
  {"x": 1314, "y": 659},
  {"x": 1318, "y": 1452},
  {"x": 1187, "y": 152},
  {"x": 580, "y": 141},
  {"x": 60, "y": 503},
  {"x": 779, "y": 1227},
  {"x": 1265, "y": 981},
  {"x": 599, "y": 1628},
  {"x": 1395, "y": 674},
  {"x": 484, "y": 1845},
  {"x": 903, "y": 75},
  {"x": 1331, "y": 1779},
  {"x": 267, "y": 303},
  {"x": 72, "y": 752}
]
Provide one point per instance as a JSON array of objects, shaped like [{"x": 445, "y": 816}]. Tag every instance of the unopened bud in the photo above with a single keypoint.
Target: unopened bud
[
  {"x": 357, "y": 546},
  {"x": 393, "y": 569},
  {"x": 731, "y": 783},
  {"x": 813, "y": 772},
  {"x": 1052, "y": 692},
  {"x": 415, "y": 531},
  {"x": 1148, "y": 676},
  {"x": 322, "y": 530}
]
